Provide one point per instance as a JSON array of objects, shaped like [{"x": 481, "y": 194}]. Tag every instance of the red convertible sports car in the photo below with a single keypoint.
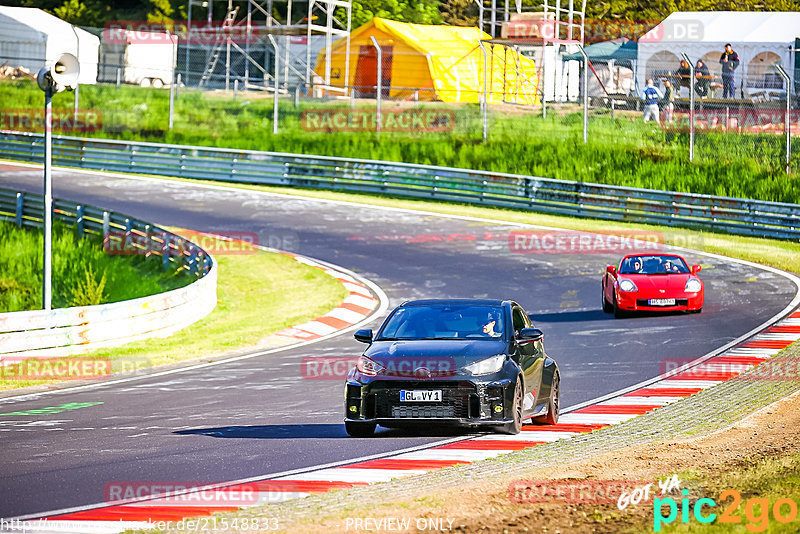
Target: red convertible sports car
[{"x": 652, "y": 282}]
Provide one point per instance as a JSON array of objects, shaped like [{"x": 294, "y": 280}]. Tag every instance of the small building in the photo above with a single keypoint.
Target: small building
[
  {"x": 429, "y": 62},
  {"x": 31, "y": 38},
  {"x": 762, "y": 40}
]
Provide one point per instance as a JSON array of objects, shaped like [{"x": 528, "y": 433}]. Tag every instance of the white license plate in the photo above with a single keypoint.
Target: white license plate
[
  {"x": 661, "y": 302},
  {"x": 418, "y": 395}
]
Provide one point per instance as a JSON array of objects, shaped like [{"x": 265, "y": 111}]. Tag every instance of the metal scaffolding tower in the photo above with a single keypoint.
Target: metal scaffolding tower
[
  {"x": 569, "y": 21},
  {"x": 554, "y": 28},
  {"x": 251, "y": 31}
]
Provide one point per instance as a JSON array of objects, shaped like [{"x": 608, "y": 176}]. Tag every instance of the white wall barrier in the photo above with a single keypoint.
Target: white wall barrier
[{"x": 65, "y": 331}]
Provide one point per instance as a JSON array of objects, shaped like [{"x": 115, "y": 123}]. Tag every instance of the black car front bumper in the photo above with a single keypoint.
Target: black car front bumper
[{"x": 465, "y": 402}]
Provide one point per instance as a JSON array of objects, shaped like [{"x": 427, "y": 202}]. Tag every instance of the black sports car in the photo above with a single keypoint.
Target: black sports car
[{"x": 468, "y": 362}]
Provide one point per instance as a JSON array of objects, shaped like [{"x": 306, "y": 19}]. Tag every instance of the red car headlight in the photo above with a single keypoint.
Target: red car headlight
[{"x": 693, "y": 285}]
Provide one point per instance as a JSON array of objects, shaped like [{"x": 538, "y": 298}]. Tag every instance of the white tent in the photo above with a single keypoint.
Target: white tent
[
  {"x": 762, "y": 39},
  {"x": 30, "y": 38}
]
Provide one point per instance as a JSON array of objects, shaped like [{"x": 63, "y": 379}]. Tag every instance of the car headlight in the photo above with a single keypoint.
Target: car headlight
[
  {"x": 693, "y": 285},
  {"x": 369, "y": 367},
  {"x": 487, "y": 366},
  {"x": 627, "y": 285}
]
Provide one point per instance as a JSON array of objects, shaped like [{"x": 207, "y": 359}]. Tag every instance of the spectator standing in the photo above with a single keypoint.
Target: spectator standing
[
  {"x": 669, "y": 101},
  {"x": 729, "y": 61},
  {"x": 651, "y": 96},
  {"x": 702, "y": 83}
]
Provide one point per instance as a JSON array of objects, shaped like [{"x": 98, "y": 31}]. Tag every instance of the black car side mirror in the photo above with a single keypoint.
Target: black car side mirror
[
  {"x": 531, "y": 334},
  {"x": 364, "y": 336}
]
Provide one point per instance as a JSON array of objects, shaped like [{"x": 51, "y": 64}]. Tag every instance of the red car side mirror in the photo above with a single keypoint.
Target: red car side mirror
[
  {"x": 696, "y": 269},
  {"x": 611, "y": 270}
]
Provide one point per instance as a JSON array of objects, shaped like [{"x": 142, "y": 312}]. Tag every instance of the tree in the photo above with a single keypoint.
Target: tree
[
  {"x": 80, "y": 12},
  {"x": 459, "y": 12},
  {"x": 417, "y": 11}
]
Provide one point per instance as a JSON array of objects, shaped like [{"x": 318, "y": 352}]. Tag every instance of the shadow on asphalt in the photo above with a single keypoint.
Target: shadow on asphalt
[
  {"x": 596, "y": 315},
  {"x": 319, "y": 431}
]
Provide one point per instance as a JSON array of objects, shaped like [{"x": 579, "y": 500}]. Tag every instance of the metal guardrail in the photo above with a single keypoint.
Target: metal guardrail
[
  {"x": 546, "y": 195},
  {"x": 120, "y": 233},
  {"x": 78, "y": 329}
]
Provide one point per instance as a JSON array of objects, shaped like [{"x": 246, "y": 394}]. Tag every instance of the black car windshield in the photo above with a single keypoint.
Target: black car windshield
[
  {"x": 653, "y": 265},
  {"x": 444, "y": 321}
]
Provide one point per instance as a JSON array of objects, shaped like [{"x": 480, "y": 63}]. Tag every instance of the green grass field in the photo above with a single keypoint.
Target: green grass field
[
  {"x": 621, "y": 151},
  {"x": 257, "y": 295},
  {"x": 83, "y": 274}
]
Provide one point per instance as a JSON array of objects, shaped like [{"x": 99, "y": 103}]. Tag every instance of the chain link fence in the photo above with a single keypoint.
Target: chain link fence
[{"x": 482, "y": 91}]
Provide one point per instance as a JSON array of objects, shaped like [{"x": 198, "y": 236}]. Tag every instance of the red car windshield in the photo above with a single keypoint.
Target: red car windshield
[{"x": 653, "y": 265}]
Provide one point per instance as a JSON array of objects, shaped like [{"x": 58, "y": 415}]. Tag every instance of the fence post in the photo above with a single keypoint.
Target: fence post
[
  {"x": 787, "y": 125},
  {"x": 585, "y": 94},
  {"x": 20, "y": 204},
  {"x": 485, "y": 99},
  {"x": 691, "y": 106},
  {"x": 380, "y": 83},
  {"x": 79, "y": 220},
  {"x": 118, "y": 77},
  {"x": 275, "y": 96}
]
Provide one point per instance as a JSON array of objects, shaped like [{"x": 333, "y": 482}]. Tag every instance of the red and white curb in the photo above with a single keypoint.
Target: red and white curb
[
  {"x": 357, "y": 306},
  {"x": 671, "y": 387}
]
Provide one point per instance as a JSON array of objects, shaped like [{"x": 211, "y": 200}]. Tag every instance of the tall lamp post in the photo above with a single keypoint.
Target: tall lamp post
[{"x": 62, "y": 75}]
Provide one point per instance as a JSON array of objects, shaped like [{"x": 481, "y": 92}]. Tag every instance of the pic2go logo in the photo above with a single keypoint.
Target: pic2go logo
[{"x": 756, "y": 511}]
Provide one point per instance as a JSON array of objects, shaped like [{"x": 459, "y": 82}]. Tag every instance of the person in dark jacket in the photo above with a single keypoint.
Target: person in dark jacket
[
  {"x": 729, "y": 61},
  {"x": 702, "y": 82},
  {"x": 681, "y": 76}
]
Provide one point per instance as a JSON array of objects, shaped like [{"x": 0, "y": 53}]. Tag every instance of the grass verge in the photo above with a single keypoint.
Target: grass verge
[
  {"x": 621, "y": 151},
  {"x": 258, "y": 294},
  {"x": 83, "y": 274}
]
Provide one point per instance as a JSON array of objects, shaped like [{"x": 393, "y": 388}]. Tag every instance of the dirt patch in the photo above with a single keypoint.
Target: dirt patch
[{"x": 490, "y": 507}]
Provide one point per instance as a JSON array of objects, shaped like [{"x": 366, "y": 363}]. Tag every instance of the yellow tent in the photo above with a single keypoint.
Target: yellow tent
[{"x": 437, "y": 62}]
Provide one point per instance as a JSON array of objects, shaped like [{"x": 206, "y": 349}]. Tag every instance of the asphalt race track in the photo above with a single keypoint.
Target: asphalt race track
[{"x": 259, "y": 416}]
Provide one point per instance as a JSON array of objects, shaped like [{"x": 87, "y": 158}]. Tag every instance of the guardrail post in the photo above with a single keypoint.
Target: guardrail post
[
  {"x": 148, "y": 240},
  {"x": 128, "y": 228},
  {"x": 20, "y": 203},
  {"x": 79, "y": 220},
  {"x": 106, "y": 227},
  {"x": 165, "y": 239}
]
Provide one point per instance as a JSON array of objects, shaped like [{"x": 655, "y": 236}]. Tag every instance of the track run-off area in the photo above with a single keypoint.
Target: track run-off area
[{"x": 260, "y": 417}]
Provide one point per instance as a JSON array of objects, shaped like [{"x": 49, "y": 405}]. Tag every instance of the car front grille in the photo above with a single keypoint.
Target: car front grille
[
  {"x": 459, "y": 400},
  {"x": 425, "y": 412}
]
